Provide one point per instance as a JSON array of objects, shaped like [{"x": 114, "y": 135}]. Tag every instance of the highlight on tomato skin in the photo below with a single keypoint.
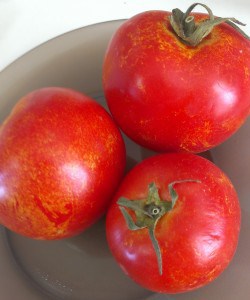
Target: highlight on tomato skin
[
  {"x": 177, "y": 97},
  {"x": 197, "y": 236},
  {"x": 61, "y": 159}
]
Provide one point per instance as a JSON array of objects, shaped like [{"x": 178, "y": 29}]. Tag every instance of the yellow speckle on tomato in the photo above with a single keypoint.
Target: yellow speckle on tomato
[
  {"x": 247, "y": 73},
  {"x": 91, "y": 160},
  {"x": 109, "y": 143}
]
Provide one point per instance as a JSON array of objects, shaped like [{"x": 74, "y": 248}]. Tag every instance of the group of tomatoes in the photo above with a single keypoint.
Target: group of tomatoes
[{"x": 173, "y": 221}]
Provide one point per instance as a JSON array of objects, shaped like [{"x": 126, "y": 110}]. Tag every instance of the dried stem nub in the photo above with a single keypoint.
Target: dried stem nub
[{"x": 193, "y": 33}]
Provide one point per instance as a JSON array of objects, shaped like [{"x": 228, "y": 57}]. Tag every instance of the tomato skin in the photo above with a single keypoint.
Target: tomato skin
[
  {"x": 166, "y": 95},
  {"x": 198, "y": 238},
  {"x": 61, "y": 159}
]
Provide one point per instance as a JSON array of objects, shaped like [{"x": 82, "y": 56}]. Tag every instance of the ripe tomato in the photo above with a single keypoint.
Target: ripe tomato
[
  {"x": 179, "y": 245},
  {"x": 168, "y": 95},
  {"x": 61, "y": 158}
]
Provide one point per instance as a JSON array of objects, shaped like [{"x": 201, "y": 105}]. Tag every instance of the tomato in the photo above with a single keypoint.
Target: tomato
[
  {"x": 174, "y": 222},
  {"x": 166, "y": 94},
  {"x": 61, "y": 159}
]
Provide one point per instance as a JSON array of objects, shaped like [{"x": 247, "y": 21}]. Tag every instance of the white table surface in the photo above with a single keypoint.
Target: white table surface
[{"x": 25, "y": 24}]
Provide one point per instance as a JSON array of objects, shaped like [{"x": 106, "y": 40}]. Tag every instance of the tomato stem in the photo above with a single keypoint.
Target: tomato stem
[
  {"x": 193, "y": 33},
  {"x": 149, "y": 211}
]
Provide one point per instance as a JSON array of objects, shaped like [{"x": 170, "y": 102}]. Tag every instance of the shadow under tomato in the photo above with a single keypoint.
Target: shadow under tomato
[{"x": 92, "y": 241}]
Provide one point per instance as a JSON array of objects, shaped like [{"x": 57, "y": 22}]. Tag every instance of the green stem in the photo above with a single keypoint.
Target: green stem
[
  {"x": 156, "y": 246},
  {"x": 149, "y": 211}
]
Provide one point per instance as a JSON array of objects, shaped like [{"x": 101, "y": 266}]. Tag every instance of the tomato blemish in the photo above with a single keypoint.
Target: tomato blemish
[{"x": 56, "y": 217}]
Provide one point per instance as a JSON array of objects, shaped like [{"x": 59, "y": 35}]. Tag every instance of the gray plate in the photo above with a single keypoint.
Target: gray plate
[{"x": 82, "y": 267}]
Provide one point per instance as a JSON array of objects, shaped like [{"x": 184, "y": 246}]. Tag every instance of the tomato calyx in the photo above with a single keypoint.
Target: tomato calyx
[
  {"x": 149, "y": 211},
  {"x": 193, "y": 33}
]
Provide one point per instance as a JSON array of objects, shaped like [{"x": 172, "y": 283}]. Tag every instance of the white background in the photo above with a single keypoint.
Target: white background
[{"x": 25, "y": 24}]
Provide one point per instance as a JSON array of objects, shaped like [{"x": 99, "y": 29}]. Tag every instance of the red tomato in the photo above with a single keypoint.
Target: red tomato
[
  {"x": 61, "y": 158},
  {"x": 167, "y": 95},
  {"x": 197, "y": 233}
]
